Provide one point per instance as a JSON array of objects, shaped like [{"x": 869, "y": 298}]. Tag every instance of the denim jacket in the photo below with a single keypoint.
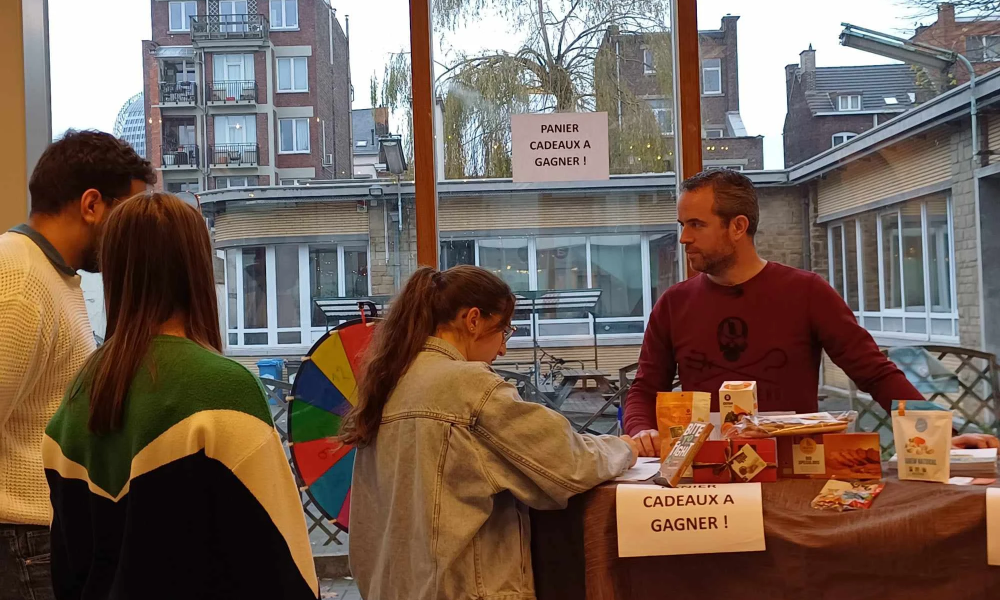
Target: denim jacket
[{"x": 440, "y": 498}]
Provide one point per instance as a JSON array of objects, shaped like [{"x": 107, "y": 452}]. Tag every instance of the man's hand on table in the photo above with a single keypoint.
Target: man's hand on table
[
  {"x": 974, "y": 440},
  {"x": 635, "y": 448},
  {"x": 648, "y": 442}
]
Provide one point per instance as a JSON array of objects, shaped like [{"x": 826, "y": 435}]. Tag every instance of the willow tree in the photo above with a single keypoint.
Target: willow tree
[{"x": 566, "y": 62}]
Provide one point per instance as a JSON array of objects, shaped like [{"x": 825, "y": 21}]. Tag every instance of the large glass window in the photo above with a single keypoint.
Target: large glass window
[
  {"x": 293, "y": 74},
  {"x": 887, "y": 264},
  {"x": 232, "y": 67},
  {"x": 287, "y": 279},
  {"x": 254, "y": 294},
  {"x": 457, "y": 252},
  {"x": 616, "y": 269},
  {"x": 236, "y": 129},
  {"x": 286, "y": 259},
  {"x": 180, "y": 15},
  {"x": 711, "y": 76},
  {"x": 323, "y": 279},
  {"x": 294, "y": 136},
  {"x": 663, "y": 267},
  {"x": 284, "y": 14},
  {"x": 508, "y": 259}
]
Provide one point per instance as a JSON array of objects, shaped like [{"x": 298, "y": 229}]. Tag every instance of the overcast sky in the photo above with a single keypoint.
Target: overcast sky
[{"x": 96, "y": 51}]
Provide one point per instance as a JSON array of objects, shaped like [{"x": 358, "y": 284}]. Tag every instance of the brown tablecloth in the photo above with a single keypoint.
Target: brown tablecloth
[{"x": 919, "y": 540}]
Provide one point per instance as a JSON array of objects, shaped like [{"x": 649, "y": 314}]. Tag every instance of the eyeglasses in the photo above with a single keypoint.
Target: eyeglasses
[{"x": 508, "y": 332}]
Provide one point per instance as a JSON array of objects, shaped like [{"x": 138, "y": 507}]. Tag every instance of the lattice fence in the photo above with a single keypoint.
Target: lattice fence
[{"x": 320, "y": 529}]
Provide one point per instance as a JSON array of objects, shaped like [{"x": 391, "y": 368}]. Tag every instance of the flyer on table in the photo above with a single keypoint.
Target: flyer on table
[{"x": 696, "y": 519}]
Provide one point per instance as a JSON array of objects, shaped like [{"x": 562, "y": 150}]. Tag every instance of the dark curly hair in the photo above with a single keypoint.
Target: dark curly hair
[{"x": 83, "y": 160}]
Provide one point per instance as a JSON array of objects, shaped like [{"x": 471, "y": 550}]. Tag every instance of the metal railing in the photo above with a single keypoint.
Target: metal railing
[
  {"x": 234, "y": 154},
  {"x": 232, "y": 91},
  {"x": 180, "y": 155},
  {"x": 179, "y": 92},
  {"x": 228, "y": 27}
]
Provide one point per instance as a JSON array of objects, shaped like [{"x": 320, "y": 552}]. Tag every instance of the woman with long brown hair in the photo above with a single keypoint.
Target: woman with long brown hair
[
  {"x": 449, "y": 457},
  {"x": 167, "y": 477}
]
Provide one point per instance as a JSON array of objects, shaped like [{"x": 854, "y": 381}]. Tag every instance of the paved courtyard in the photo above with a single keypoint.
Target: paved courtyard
[{"x": 339, "y": 589}]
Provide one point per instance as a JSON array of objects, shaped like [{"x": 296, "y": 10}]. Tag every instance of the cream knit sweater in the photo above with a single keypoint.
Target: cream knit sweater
[{"x": 45, "y": 337}]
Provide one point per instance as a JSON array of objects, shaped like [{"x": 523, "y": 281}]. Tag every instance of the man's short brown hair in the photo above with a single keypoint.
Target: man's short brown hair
[{"x": 734, "y": 195}]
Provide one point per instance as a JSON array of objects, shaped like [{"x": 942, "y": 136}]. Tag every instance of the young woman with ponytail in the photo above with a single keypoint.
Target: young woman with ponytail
[{"x": 449, "y": 457}]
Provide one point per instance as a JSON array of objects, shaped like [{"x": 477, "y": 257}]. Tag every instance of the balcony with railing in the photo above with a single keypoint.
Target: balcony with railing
[
  {"x": 223, "y": 28},
  {"x": 178, "y": 93},
  {"x": 180, "y": 156},
  {"x": 232, "y": 92},
  {"x": 234, "y": 155}
]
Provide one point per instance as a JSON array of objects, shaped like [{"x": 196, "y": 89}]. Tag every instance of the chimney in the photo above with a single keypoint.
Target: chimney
[
  {"x": 946, "y": 13},
  {"x": 807, "y": 68},
  {"x": 381, "y": 116},
  {"x": 729, "y": 22}
]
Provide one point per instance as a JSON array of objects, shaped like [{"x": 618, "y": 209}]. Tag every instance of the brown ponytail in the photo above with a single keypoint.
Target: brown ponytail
[{"x": 429, "y": 299}]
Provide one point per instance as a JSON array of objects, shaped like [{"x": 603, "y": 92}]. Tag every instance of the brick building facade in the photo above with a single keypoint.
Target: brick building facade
[
  {"x": 246, "y": 93},
  {"x": 635, "y": 74}
]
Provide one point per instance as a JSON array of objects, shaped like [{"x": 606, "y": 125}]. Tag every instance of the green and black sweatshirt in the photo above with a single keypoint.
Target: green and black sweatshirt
[{"x": 192, "y": 498}]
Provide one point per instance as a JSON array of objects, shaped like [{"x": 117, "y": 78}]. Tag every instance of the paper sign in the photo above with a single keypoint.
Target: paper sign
[
  {"x": 560, "y": 147},
  {"x": 693, "y": 519},
  {"x": 643, "y": 469},
  {"x": 992, "y": 526}
]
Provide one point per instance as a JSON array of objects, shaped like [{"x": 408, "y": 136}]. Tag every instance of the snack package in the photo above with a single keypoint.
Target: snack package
[
  {"x": 675, "y": 411},
  {"x": 923, "y": 443},
  {"x": 801, "y": 456},
  {"x": 682, "y": 455},
  {"x": 736, "y": 399},
  {"x": 847, "y": 495},
  {"x": 763, "y": 426},
  {"x": 852, "y": 455}
]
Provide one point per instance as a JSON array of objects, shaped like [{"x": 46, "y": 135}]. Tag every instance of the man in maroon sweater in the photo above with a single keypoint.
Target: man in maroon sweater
[{"x": 744, "y": 318}]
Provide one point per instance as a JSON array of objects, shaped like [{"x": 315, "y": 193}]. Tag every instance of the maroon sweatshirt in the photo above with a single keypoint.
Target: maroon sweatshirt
[{"x": 771, "y": 329}]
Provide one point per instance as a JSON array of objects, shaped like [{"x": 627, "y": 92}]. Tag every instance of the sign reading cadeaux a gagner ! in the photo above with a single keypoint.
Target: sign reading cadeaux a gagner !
[
  {"x": 560, "y": 147},
  {"x": 696, "y": 519}
]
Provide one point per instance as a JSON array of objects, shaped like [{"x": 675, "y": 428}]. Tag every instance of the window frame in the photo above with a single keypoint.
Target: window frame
[
  {"x": 536, "y": 332},
  {"x": 283, "y": 4},
  {"x": 849, "y": 98},
  {"x": 667, "y": 109},
  {"x": 185, "y": 16},
  {"x": 928, "y": 313},
  {"x": 290, "y": 61},
  {"x": 709, "y": 136},
  {"x": 648, "y": 66},
  {"x": 295, "y": 135},
  {"x": 704, "y": 80},
  {"x": 308, "y": 333},
  {"x": 844, "y": 135}
]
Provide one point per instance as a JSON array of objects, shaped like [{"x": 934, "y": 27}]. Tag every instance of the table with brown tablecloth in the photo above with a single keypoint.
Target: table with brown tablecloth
[{"x": 918, "y": 540}]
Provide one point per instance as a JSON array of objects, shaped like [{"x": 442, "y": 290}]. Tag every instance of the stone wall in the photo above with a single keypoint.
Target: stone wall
[
  {"x": 780, "y": 231},
  {"x": 388, "y": 275},
  {"x": 967, "y": 255}
]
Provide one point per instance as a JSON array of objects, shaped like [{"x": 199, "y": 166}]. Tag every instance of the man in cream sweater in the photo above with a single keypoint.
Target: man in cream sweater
[{"x": 45, "y": 335}]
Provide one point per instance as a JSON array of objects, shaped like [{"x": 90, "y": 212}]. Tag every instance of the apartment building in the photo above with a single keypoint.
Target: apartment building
[
  {"x": 367, "y": 126},
  {"x": 827, "y": 106},
  {"x": 245, "y": 93},
  {"x": 636, "y": 75}
]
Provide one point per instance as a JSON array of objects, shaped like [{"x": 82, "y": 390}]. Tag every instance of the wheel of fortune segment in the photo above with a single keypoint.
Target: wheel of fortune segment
[{"x": 323, "y": 392}]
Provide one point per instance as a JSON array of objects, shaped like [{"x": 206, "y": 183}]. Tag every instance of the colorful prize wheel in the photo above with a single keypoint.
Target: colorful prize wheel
[{"x": 323, "y": 393}]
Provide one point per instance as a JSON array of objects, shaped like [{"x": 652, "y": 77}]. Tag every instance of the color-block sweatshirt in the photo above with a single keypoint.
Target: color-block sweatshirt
[{"x": 192, "y": 498}]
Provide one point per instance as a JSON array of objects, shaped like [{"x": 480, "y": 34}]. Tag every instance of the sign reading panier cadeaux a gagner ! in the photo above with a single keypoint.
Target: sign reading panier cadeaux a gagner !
[{"x": 560, "y": 147}]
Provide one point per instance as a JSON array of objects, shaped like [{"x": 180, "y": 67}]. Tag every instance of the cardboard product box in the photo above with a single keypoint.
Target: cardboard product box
[
  {"x": 714, "y": 462},
  {"x": 852, "y": 455},
  {"x": 801, "y": 456},
  {"x": 736, "y": 399}
]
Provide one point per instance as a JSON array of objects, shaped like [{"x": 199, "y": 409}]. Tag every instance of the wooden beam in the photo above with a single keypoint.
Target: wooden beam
[
  {"x": 687, "y": 91},
  {"x": 13, "y": 152},
  {"x": 687, "y": 75},
  {"x": 423, "y": 132}
]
